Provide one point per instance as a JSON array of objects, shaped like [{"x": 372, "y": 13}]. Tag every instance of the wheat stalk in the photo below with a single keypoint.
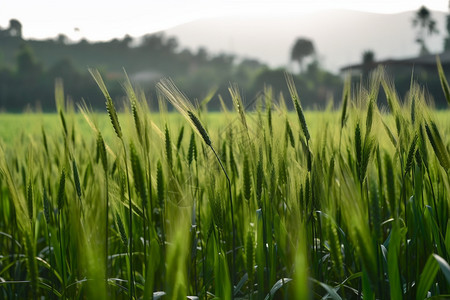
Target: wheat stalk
[
  {"x": 298, "y": 107},
  {"x": 180, "y": 102}
]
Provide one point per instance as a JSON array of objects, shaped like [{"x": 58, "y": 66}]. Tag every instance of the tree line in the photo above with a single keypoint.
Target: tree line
[{"x": 28, "y": 69}]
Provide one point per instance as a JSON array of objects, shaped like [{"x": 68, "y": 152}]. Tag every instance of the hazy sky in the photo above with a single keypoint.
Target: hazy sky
[{"x": 104, "y": 20}]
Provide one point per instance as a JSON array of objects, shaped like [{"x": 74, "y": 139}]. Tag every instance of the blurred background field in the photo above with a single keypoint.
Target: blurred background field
[{"x": 16, "y": 129}]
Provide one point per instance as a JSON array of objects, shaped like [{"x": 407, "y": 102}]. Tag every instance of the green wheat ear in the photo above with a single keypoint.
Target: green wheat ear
[
  {"x": 76, "y": 178},
  {"x": 290, "y": 134},
  {"x": 368, "y": 147},
  {"x": 410, "y": 157},
  {"x": 192, "y": 151},
  {"x": 238, "y": 104},
  {"x": 358, "y": 146},
  {"x": 168, "y": 146},
  {"x": 123, "y": 235},
  {"x": 180, "y": 138},
  {"x": 443, "y": 80},
  {"x": 113, "y": 116},
  {"x": 218, "y": 212},
  {"x": 137, "y": 121},
  {"x": 109, "y": 103},
  {"x": 139, "y": 181},
  {"x": 369, "y": 118},
  {"x": 247, "y": 183},
  {"x": 345, "y": 100},
  {"x": 438, "y": 146},
  {"x": 101, "y": 148},
  {"x": 259, "y": 182},
  {"x": 250, "y": 254},
  {"x": 30, "y": 200},
  {"x": 269, "y": 118},
  {"x": 298, "y": 107},
  {"x": 198, "y": 125}
]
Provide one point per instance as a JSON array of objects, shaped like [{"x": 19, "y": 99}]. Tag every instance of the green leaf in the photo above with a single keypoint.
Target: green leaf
[
  {"x": 332, "y": 292},
  {"x": 447, "y": 238},
  {"x": 240, "y": 284},
  {"x": 427, "y": 277},
  {"x": 278, "y": 285},
  {"x": 158, "y": 295},
  {"x": 392, "y": 258},
  {"x": 445, "y": 267},
  {"x": 368, "y": 291}
]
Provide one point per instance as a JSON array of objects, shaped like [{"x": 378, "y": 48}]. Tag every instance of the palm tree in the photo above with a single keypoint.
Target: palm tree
[
  {"x": 368, "y": 58},
  {"x": 427, "y": 24},
  {"x": 15, "y": 28},
  {"x": 447, "y": 39},
  {"x": 302, "y": 48}
]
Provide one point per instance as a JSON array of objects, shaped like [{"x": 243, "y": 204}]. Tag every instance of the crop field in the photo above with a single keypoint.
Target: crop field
[{"x": 268, "y": 204}]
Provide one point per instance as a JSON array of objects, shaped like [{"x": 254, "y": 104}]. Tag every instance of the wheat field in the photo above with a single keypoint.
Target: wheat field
[{"x": 349, "y": 203}]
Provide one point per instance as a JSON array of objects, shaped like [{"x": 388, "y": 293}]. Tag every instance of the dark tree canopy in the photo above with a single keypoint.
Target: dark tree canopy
[{"x": 26, "y": 62}]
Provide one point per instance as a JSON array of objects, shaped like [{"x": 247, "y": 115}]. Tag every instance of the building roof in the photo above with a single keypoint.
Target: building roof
[{"x": 424, "y": 61}]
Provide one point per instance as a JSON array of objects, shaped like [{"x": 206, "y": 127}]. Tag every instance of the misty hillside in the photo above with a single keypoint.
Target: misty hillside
[
  {"x": 28, "y": 68},
  {"x": 340, "y": 36}
]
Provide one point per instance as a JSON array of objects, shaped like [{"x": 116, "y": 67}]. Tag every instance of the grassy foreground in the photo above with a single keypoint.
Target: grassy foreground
[{"x": 340, "y": 205}]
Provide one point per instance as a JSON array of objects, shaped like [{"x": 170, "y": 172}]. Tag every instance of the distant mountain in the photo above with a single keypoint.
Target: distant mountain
[{"x": 340, "y": 37}]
